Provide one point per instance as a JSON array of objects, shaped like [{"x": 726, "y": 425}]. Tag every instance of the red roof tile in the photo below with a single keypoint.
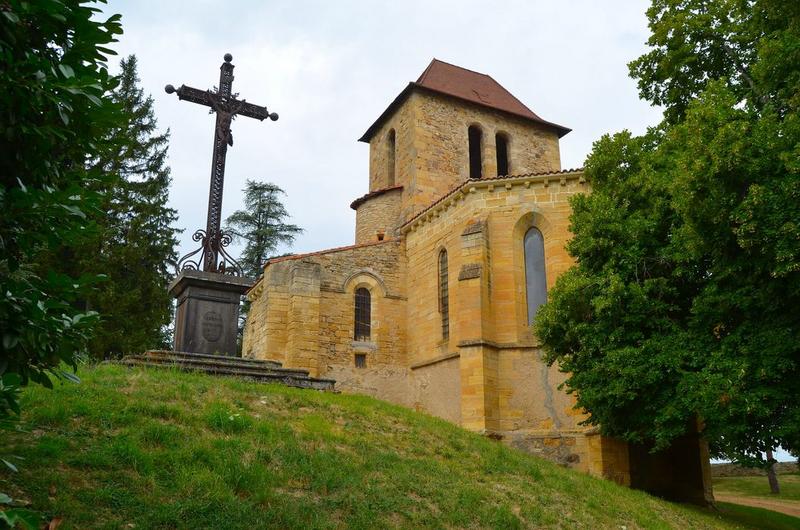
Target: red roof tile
[
  {"x": 480, "y": 89},
  {"x": 328, "y": 251},
  {"x": 364, "y": 198}
]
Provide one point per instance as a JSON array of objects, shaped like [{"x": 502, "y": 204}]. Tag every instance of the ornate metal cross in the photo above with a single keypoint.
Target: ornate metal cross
[{"x": 213, "y": 257}]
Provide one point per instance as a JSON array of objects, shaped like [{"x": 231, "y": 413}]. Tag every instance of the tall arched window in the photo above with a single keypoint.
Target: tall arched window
[
  {"x": 475, "y": 163},
  {"x": 390, "y": 158},
  {"x": 501, "y": 144},
  {"x": 444, "y": 295},
  {"x": 363, "y": 314},
  {"x": 535, "y": 280}
]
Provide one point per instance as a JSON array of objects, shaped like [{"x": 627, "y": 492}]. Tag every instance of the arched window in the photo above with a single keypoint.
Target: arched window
[
  {"x": 475, "y": 164},
  {"x": 535, "y": 280},
  {"x": 390, "y": 146},
  {"x": 501, "y": 143},
  {"x": 444, "y": 295},
  {"x": 363, "y": 314}
]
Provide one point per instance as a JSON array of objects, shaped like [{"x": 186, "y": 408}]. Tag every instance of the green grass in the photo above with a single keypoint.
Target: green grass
[
  {"x": 163, "y": 449},
  {"x": 759, "y": 487},
  {"x": 759, "y": 517}
]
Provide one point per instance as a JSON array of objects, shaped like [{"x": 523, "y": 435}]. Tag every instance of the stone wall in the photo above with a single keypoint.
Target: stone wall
[
  {"x": 481, "y": 225},
  {"x": 303, "y": 308},
  {"x": 378, "y": 216},
  {"x": 403, "y": 123},
  {"x": 437, "y": 387},
  {"x": 432, "y": 147}
]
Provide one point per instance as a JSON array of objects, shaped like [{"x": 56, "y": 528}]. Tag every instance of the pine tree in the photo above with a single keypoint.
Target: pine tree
[
  {"x": 136, "y": 248},
  {"x": 262, "y": 224}
]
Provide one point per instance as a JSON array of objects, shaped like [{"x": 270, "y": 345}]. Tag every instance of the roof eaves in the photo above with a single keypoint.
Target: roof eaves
[
  {"x": 364, "y": 198},
  {"x": 370, "y": 132},
  {"x": 469, "y": 182}
]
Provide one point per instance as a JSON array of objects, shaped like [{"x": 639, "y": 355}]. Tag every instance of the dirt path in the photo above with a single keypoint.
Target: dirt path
[{"x": 787, "y": 507}]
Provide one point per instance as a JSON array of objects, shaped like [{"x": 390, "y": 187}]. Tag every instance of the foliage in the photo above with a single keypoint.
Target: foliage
[
  {"x": 135, "y": 246},
  {"x": 682, "y": 305},
  {"x": 262, "y": 225},
  {"x": 195, "y": 451},
  {"x": 52, "y": 116}
]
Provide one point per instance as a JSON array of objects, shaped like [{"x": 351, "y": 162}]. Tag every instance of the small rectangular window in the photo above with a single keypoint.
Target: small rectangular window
[{"x": 361, "y": 360}]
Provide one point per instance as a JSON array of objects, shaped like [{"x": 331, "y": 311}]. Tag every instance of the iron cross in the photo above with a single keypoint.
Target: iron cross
[{"x": 224, "y": 103}]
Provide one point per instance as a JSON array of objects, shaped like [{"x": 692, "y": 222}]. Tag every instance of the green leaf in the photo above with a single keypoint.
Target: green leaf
[
  {"x": 11, "y": 379},
  {"x": 12, "y": 17},
  {"x": 66, "y": 71},
  {"x": 5, "y": 499},
  {"x": 20, "y": 517},
  {"x": 9, "y": 341},
  {"x": 64, "y": 116},
  {"x": 71, "y": 377},
  {"x": 74, "y": 210},
  {"x": 9, "y": 465}
]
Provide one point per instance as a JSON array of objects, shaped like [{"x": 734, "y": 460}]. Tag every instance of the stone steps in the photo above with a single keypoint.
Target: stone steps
[
  {"x": 251, "y": 369},
  {"x": 204, "y": 359}
]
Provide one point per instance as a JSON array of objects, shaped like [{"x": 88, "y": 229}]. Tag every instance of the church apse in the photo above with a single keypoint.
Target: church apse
[{"x": 475, "y": 361}]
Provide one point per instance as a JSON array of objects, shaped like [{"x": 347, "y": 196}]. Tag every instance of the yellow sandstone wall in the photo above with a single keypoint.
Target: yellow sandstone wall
[
  {"x": 505, "y": 387},
  {"x": 378, "y": 215},
  {"x": 432, "y": 147},
  {"x": 302, "y": 312}
]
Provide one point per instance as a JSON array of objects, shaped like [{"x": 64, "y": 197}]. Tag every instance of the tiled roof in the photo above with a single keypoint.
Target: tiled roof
[
  {"x": 327, "y": 251},
  {"x": 364, "y": 198},
  {"x": 480, "y": 89}
]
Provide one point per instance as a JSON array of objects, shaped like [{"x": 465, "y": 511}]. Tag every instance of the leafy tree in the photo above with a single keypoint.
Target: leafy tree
[
  {"x": 682, "y": 305},
  {"x": 53, "y": 117},
  {"x": 136, "y": 244},
  {"x": 262, "y": 225}
]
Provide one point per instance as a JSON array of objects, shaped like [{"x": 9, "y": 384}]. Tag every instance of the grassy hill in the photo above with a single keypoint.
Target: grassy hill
[{"x": 137, "y": 448}]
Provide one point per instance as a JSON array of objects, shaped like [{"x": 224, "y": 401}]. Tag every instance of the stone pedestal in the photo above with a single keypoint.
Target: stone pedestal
[{"x": 207, "y": 316}]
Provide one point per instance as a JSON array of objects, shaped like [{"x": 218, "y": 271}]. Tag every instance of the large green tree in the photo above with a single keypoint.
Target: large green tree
[
  {"x": 262, "y": 225},
  {"x": 54, "y": 118},
  {"x": 683, "y": 302},
  {"x": 135, "y": 249}
]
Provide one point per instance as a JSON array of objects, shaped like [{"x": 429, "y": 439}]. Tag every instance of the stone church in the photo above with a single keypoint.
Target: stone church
[{"x": 457, "y": 241}]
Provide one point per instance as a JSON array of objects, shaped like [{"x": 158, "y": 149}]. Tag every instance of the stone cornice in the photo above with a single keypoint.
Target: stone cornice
[
  {"x": 462, "y": 191},
  {"x": 436, "y": 360}
]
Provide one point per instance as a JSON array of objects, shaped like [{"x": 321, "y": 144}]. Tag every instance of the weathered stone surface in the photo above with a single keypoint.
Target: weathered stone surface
[{"x": 207, "y": 313}]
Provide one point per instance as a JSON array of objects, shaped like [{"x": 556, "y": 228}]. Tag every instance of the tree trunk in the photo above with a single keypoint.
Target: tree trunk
[{"x": 771, "y": 476}]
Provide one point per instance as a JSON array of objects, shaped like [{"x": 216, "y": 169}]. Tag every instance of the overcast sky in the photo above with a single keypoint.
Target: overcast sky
[{"x": 330, "y": 68}]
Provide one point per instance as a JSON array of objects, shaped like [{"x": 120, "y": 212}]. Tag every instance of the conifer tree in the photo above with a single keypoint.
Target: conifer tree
[
  {"x": 136, "y": 247},
  {"x": 262, "y": 225}
]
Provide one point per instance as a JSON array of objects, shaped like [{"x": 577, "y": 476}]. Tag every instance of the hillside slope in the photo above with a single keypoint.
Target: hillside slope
[{"x": 139, "y": 448}]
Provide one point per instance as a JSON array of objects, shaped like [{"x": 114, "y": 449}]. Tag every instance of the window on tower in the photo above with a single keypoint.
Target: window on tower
[
  {"x": 390, "y": 158},
  {"x": 501, "y": 144},
  {"x": 475, "y": 163}
]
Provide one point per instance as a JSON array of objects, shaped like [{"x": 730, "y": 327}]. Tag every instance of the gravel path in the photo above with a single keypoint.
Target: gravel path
[{"x": 787, "y": 507}]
